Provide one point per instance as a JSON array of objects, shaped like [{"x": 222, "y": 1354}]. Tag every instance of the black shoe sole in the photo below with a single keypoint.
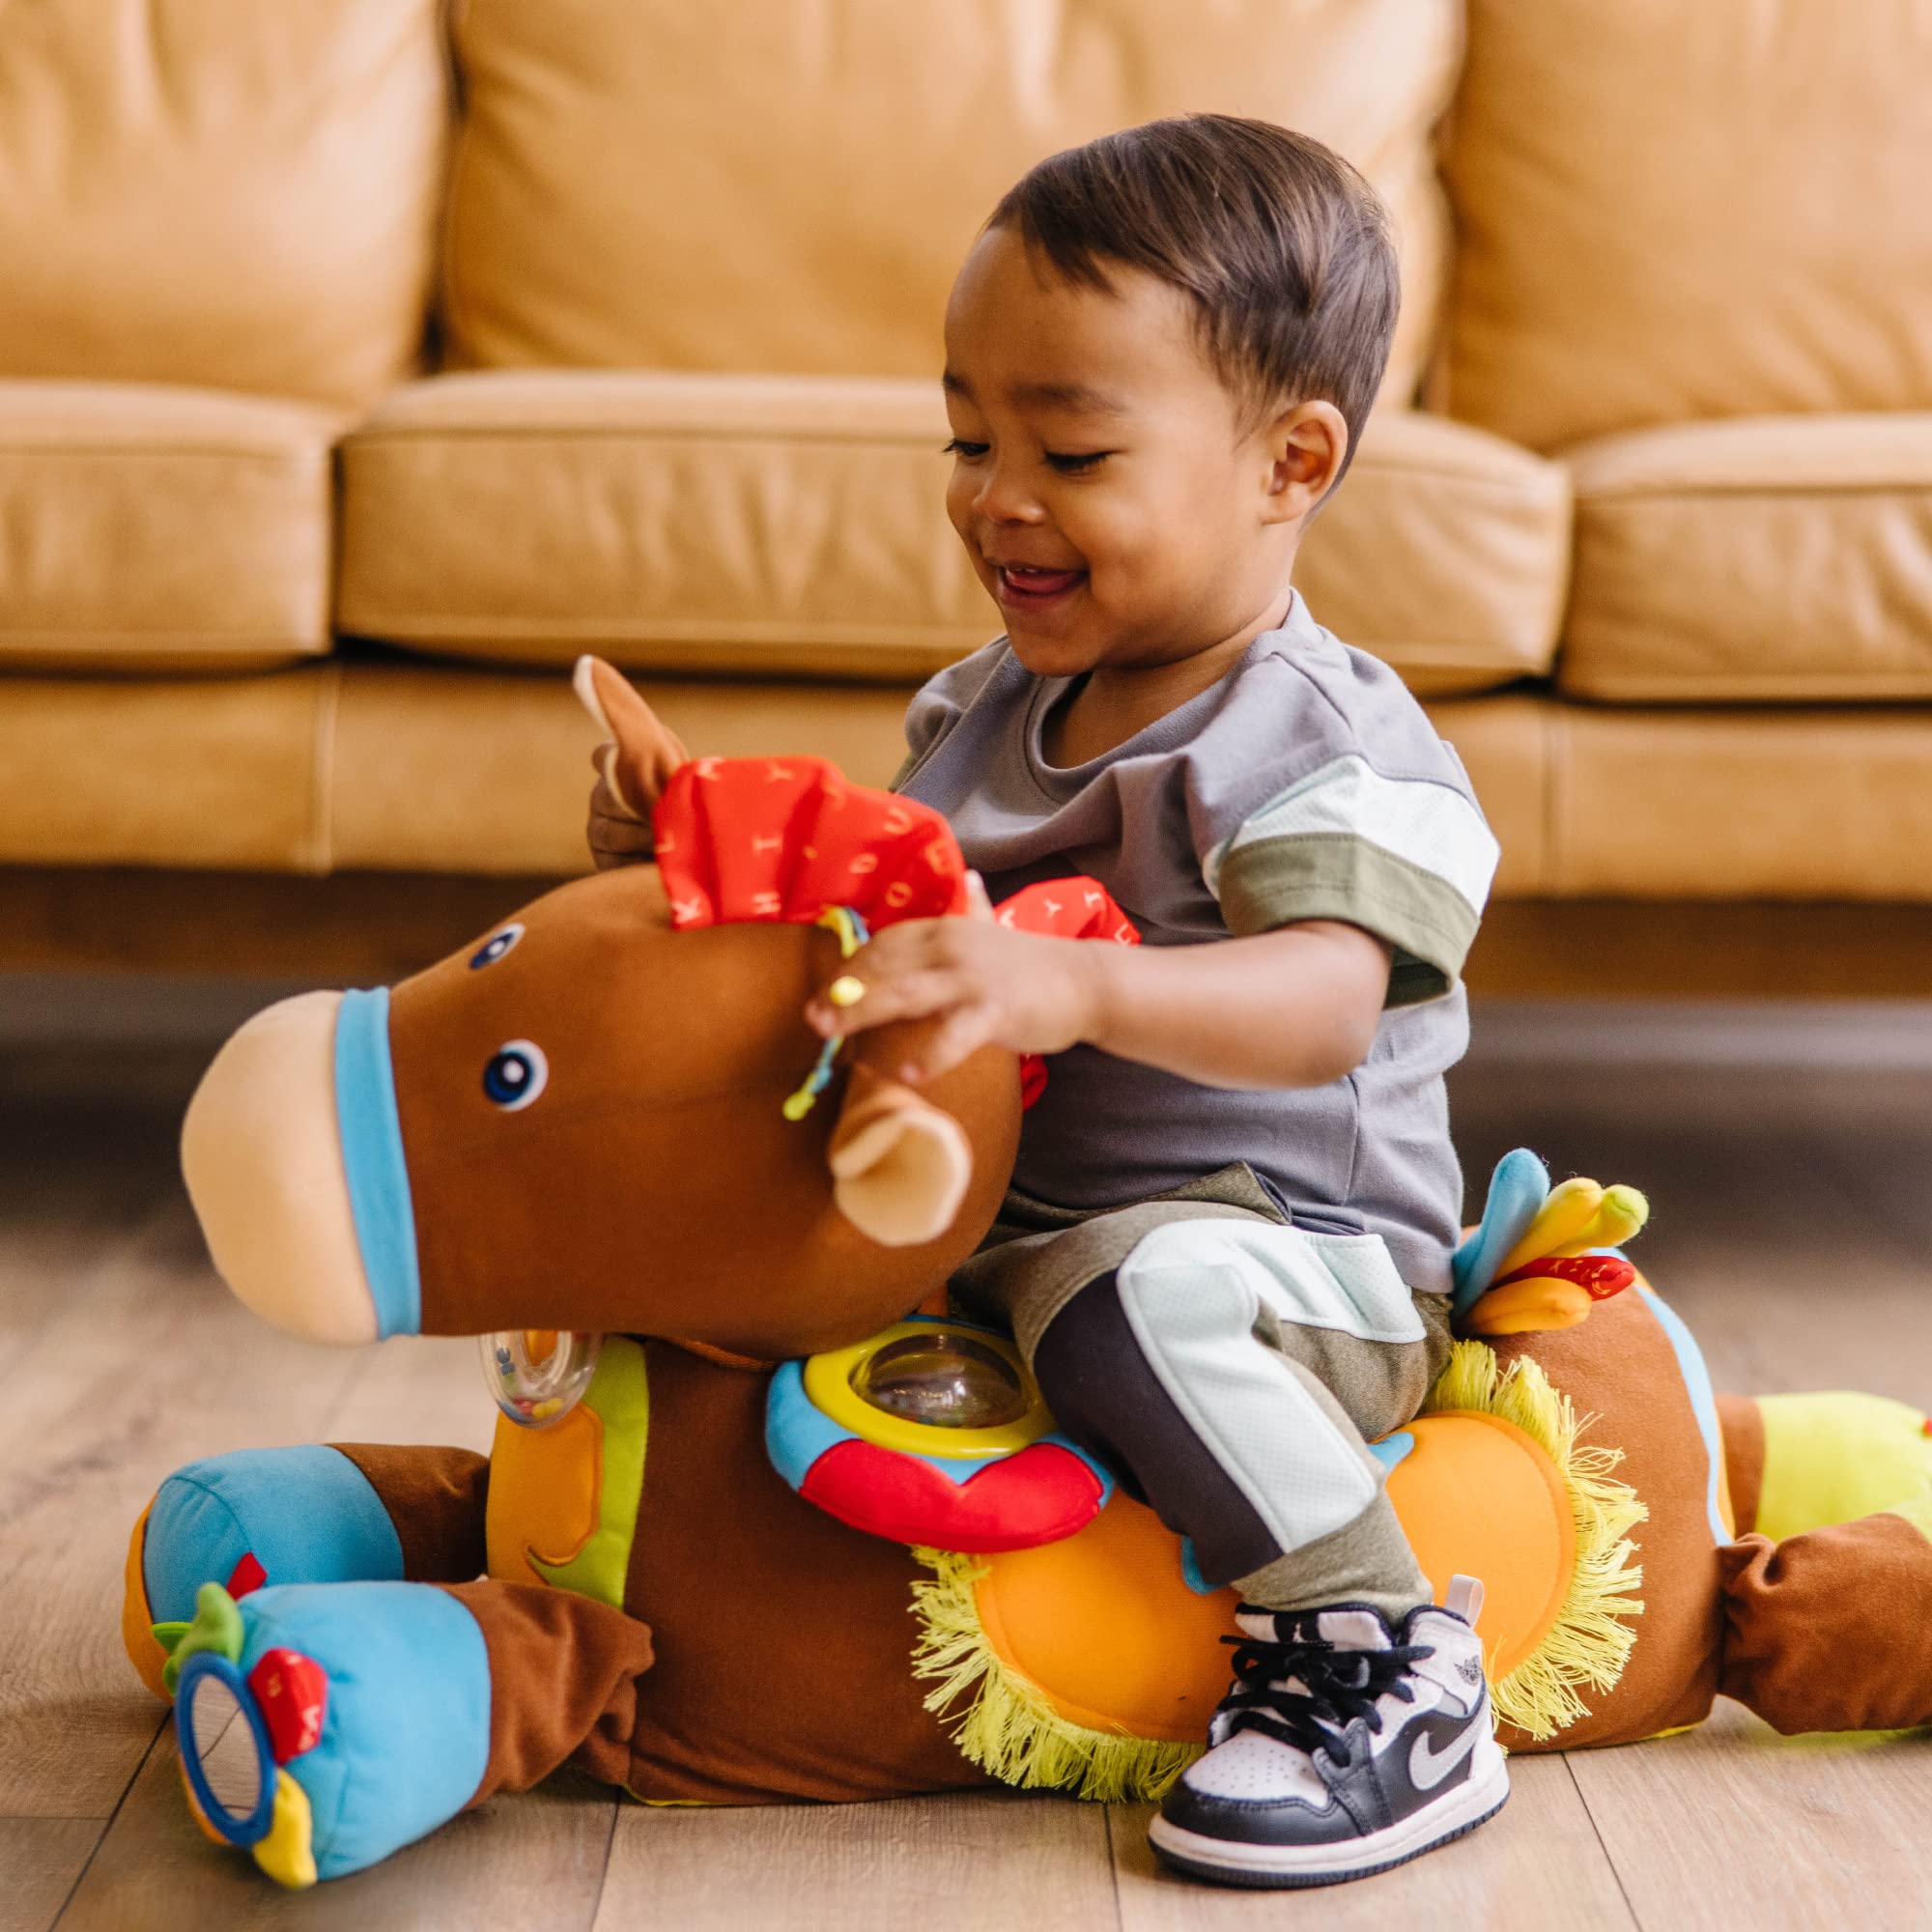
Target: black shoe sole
[{"x": 1265, "y": 1881}]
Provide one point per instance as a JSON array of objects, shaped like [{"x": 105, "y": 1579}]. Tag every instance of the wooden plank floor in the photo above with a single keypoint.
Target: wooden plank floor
[{"x": 1792, "y": 1230}]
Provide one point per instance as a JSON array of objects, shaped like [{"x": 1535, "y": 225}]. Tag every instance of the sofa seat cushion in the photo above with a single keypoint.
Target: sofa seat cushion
[
  {"x": 374, "y": 763},
  {"x": 1668, "y": 211},
  {"x": 636, "y": 186},
  {"x": 1775, "y": 558},
  {"x": 371, "y": 762},
  {"x": 765, "y": 525},
  {"x": 161, "y": 529},
  {"x": 223, "y": 773}
]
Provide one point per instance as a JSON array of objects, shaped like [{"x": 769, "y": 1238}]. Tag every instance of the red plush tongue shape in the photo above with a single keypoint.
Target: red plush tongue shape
[{"x": 783, "y": 839}]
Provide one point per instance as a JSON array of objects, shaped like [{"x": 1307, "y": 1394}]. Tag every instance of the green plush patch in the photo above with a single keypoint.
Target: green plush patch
[{"x": 1835, "y": 1457}]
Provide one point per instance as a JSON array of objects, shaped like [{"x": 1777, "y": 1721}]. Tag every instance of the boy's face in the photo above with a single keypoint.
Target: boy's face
[{"x": 1103, "y": 483}]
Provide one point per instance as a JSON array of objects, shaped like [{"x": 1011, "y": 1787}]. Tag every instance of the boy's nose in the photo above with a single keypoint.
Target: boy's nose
[{"x": 1006, "y": 498}]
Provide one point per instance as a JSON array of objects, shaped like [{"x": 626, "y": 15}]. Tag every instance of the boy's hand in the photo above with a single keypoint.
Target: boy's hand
[
  {"x": 994, "y": 986},
  {"x": 617, "y": 835}
]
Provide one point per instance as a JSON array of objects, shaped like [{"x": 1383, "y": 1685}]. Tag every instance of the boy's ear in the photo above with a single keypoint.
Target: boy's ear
[
  {"x": 642, "y": 754},
  {"x": 1307, "y": 446}
]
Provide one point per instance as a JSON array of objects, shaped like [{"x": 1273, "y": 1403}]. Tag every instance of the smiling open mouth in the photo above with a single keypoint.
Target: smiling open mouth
[{"x": 1026, "y": 587}]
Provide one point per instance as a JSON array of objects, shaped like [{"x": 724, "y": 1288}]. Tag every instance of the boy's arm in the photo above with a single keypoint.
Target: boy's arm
[{"x": 1298, "y": 1007}]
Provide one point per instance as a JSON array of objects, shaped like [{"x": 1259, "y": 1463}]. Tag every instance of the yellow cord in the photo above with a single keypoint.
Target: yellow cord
[{"x": 845, "y": 991}]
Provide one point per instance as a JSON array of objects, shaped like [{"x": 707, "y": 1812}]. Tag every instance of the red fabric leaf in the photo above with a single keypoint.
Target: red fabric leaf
[
  {"x": 1599, "y": 1277},
  {"x": 246, "y": 1575},
  {"x": 782, "y": 839},
  {"x": 292, "y": 1693}
]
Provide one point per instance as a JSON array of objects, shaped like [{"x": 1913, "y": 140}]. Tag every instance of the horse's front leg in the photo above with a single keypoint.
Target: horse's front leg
[
  {"x": 324, "y": 1725},
  {"x": 353, "y": 1512}
]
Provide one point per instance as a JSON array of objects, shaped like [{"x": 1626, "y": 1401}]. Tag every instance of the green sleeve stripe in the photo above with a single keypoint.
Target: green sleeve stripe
[{"x": 1275, "y": 882}]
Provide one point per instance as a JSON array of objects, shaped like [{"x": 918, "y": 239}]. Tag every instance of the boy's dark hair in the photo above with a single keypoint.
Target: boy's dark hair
[{"x": 1282, "y": 247}]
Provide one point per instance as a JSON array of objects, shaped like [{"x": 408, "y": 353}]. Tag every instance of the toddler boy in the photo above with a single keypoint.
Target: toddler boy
[{"x": 1226, "y": 1249}]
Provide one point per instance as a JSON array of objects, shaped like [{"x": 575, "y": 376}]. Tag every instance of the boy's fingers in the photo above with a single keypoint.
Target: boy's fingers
[
  {"x": 979, "y": 905},
  {"x": 618, "y": 842},
  {"x": 911, "y": 996},
  {"x": 961, "y": 1033}
]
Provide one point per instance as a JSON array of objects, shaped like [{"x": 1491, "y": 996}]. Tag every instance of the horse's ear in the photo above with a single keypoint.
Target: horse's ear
[
  {"x": 643, "y": 753},
  {"x": 900, "y": 1166}
]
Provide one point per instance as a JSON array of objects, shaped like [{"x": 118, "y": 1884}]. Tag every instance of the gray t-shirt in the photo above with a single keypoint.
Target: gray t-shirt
[{"x": 1307, "y": 784}]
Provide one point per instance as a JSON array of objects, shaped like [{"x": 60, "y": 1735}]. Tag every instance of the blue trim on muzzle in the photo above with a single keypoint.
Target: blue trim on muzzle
[{"x": 372, "y": 1157}]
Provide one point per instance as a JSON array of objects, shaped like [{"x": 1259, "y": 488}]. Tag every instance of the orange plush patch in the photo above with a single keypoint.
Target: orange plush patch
[
  {"x": 1520, "y": 1539},
  {"x": 137, "y": 1618},
  {"x": 1105, "y": 1627},
  {"x": 544, "y": 1485}
]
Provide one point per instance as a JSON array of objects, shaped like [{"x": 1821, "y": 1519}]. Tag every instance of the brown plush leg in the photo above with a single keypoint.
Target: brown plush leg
[
  {"x": 1827, "y": 1630},
  {"x": 1741, "y": 1422},
  {"x": 563, "y": 1675},
  {"x": 434, "y": 1498}
]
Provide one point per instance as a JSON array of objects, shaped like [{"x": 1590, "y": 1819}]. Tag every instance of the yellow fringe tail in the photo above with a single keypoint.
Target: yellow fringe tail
[
  {"x": 1010, "y": 1729},
  {"x": 1590, "y": 1642}
]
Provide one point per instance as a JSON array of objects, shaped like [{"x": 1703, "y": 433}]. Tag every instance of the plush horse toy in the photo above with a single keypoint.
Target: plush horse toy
[{"x": 685, "y": 1565}]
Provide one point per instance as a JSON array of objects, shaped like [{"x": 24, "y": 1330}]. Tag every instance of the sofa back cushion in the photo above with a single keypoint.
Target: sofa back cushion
[
  {"x": 775, "y": 186},
  {"x": 1672, "y": 210},
  {"x": 220, "y": 192}
]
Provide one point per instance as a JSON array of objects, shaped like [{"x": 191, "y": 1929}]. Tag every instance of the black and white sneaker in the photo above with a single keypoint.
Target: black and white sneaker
[{"x": 1342, "y": 1749}]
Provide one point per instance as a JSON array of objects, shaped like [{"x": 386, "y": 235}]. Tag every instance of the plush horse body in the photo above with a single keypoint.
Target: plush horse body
[{"x": 594, "y": 1120}]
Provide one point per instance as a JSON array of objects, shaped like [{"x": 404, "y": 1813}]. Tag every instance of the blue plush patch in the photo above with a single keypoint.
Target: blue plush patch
[
  {"x": 406, "y": 1733},
  {"x": 1517, "y": 1190},
  {"x": 308, "y": 1513},
  {"x": 1391, "y": 1449},
  {"x": 1697, "y": 1385},
  {"x": 372, "y": 1158}
]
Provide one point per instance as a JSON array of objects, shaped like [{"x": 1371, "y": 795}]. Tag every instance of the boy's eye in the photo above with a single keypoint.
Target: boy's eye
[
  {"x": 970, "y": 451},
  {"x": 1075, "y": 466}
]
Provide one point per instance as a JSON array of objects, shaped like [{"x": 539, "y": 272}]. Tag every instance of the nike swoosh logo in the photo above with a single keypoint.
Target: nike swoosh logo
[{"x": 1426, "y": 1768}]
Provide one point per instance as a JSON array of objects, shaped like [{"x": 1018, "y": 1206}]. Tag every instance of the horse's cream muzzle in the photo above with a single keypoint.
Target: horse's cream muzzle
[{"x": 263, "y": 1154}]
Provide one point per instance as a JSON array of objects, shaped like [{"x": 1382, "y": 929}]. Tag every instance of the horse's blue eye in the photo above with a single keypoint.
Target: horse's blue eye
[
  {"x": 496, "y": 946},
  {"x": 515, "y": 1074}
]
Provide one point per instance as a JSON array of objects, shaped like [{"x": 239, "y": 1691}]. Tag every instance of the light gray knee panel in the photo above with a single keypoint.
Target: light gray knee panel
[{"x": 1195, "y": 1293}]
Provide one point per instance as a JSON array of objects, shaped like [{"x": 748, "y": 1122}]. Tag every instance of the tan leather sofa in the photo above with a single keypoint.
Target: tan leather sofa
[{"x": 362, "y": 362}]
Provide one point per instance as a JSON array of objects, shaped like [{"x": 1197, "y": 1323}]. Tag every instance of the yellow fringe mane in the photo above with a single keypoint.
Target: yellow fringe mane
[
  {"x": 1011, "y": 1730},
  {"x": 1590, "y": 1642}
]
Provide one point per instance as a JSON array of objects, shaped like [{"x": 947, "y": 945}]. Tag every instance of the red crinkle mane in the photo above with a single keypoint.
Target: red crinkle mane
[{"x": 782, "y": 839}]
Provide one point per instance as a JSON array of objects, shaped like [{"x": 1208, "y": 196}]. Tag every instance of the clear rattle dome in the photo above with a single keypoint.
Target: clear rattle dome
[{"x": 944, "y": 1379}]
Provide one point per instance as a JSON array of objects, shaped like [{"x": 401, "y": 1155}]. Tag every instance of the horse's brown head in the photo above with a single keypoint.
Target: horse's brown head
[{"x": 578, "y": 1121}]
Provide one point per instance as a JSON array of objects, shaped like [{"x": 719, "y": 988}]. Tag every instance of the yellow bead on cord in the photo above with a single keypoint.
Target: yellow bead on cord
[{"x": 845, "y": 991}]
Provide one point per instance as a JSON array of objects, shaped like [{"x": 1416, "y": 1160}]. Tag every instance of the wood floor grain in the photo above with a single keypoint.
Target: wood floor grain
[
  {"x": 1792, "y": 1229},
  {"x": 977, "y": 1861}
]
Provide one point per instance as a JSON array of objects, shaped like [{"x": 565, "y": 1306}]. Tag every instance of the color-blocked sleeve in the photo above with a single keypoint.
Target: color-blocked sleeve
[{"x": 1406, "y": 857}]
